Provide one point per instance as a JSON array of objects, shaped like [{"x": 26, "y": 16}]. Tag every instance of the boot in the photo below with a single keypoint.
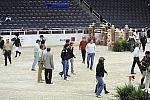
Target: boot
[
  {"x": 142, "y": 80},
  {"x": 16, "y": 53},
  {"x": 19, "y": 53},
  {"x": 61, "y": 73},
  {"x": 106, "y": 92},
  {"x": 95, "y": 89}
]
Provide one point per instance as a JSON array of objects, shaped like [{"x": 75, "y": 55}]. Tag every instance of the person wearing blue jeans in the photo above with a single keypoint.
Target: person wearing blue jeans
[
  {"x": 99, "y": 76},
  {"x": 90, "y": 48},
  {"x": 36, "y": 49},
  {"x": 35, "y": 61},
  {"x": 90, "y": 56},
  {"x": 65, "y": 68},
  {"x": 65, "y": 58},
  {"x": 100, "y": 86}
]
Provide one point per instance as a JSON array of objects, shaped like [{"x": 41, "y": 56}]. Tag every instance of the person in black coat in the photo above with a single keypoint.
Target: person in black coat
[
  {"x": 69, "y": 55},
  {"x": 65, "y": 57},
  {"x": 17, "y": 44},
  {"x": 144, "y": 65},
  {"x": 99, "y": 76},
  {"x": 143, "y": 40},
  {"x": 1, "y": 43}
]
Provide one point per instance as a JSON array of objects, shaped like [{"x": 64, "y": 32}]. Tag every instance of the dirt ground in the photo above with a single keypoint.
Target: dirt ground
[{"x": 18, "y": 82}]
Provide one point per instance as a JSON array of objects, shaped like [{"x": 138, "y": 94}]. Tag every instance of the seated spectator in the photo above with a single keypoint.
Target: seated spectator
[{"x": 8, "y": 18}]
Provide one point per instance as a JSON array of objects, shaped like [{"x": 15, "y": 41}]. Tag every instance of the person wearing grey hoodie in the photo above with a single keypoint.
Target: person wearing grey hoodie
[{"x": 48, "y": 65}]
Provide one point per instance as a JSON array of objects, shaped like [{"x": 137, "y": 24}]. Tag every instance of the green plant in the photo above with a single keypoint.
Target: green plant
[
  {"x": 128, "y": 92},
  {"x": 117, "y": 46},
  {"x": 128, "y": 47},
  {"x": 121, "y": 45},
  {"x": 142, "y": 86},
  {"x": 139, "y": 95},
  {"x": 124, "y": 45},
  {"x": 124, "y": 92}
]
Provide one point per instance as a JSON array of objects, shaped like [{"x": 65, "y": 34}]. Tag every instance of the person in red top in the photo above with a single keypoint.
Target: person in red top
[{"x": 82, "y": 47}]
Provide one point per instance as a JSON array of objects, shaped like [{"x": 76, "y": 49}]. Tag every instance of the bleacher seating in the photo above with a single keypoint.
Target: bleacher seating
[
  {"x": 35, "y": 14},
  {"x": 135, "y": 13}
]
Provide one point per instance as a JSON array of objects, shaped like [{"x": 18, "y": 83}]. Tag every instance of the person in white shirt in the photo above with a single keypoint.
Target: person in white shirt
[
  {"x": 36, "y": 49},
  {"x": 136, "y": 58},
  {"x": 90, "y": 49}
]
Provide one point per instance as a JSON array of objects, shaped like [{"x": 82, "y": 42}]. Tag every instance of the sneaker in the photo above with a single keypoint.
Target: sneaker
[
  {"x": 133, "y": 73},
  {"x": 91, "y": 68},
  {"x": 19, "y": 53},
  {"x": 98, "y": 96},
  {"x": 107, "y": 92},
  {"x": 49, "y": 83},
  {"x": 33, "y": 70},
  {"x": 60, "y": 74},
  {"x": 65, "y": 79}
]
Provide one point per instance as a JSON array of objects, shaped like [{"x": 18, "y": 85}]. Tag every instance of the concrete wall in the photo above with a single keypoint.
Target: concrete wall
[{"x": 51, "y": 39}]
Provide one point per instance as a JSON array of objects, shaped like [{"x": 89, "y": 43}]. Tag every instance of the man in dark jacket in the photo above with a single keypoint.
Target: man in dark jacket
[
  {"x": 145, "y": 65},
  {"x": 65, "y": 58},
  {"x": 17, "y": 44},
  {"x": 1, "y": 42},
  {"x": 143, "y": 40},
  {"x": 67, "y": 43}
]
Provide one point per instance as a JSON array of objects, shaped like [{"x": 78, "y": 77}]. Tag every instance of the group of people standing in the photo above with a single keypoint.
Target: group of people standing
[
  {"x": 7, "y": 46},
  {"x": 139, "y": 38},
  {"x": 45, "y": 61},
  {"x": 44, "y": 58},
  {"x": 144, "y": 65},
  {"x": 67, "y": 54},
  {"x": 88, "y": 48}
]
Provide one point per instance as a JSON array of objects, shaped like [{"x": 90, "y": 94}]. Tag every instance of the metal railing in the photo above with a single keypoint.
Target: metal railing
[{"x": 34, "y": 31}]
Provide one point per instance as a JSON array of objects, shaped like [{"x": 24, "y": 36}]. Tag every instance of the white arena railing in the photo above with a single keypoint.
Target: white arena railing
[{"x": 54, "y": 36}]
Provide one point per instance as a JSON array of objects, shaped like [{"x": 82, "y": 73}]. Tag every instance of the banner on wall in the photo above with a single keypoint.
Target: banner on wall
[{"x": 58, "y": 5}]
